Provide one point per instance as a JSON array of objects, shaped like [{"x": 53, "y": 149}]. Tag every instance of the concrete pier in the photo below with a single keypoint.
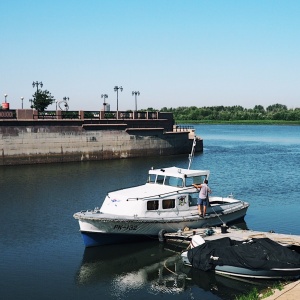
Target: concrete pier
[{"x": 44, "y": 140}]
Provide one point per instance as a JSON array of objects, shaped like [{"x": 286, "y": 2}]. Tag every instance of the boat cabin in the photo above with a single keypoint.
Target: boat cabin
[
  {"x": 177, "y": 177},
  {"x": 168, "y": 191},
  {"x": 183, "y": 179}
]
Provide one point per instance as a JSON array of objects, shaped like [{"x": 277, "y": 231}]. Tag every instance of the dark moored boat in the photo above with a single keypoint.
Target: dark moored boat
[{"x": 255, "y": 258}]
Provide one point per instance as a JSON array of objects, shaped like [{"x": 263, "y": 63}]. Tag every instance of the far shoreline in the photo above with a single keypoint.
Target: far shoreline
[{"x": 238, "y": 122}]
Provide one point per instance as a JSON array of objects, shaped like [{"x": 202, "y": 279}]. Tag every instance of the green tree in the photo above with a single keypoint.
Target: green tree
[
  {"x": 259, "y": 108},
  {"x": 232, "y": 113},
  {"x": 151, "y": 109},
  {"x": 41, "y": 100},
  {"x": 276, "y": 107}
]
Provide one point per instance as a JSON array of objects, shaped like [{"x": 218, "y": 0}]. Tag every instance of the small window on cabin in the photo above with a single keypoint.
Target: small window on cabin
[
  {"x": 160, "y": 179},
  {"x": 179, "y": 182},
  {"x": 152, "y": 205},
  {"x": 167, "y": 180},
  {"x": 168, "y": 203},
  {"x": 193, "y": 197},
  {"x": 151, "y": 178}
]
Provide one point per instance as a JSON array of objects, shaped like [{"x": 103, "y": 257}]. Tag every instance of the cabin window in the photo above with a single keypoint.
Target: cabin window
[
  {"x": 151, "y": 178},
  {"x": 193, "y": 197},
  {"x": 168, "y": 203},
  {"x": 189, "y": 181},
  {"x": 173, "y": 181},
  {"x": 179, "y": 182},
  {"x": 152, "y": 205},
  {"x": 160, "y": 179}
]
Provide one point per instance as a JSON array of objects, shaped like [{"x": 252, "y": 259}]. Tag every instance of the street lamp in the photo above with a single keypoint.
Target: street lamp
[
  {"x": 104, "y": 103},
  {"x": 136, "y": 94},
  {"x": 65, "y": 103},
  {"x": 22, "y": 98},
  {"x": 5, "y": 96},
  {"x": 37, "y": 84},
  {"x": 116, "y": 89}
]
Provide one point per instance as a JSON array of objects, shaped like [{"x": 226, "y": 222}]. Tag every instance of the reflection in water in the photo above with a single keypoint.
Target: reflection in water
[
  {"x": 155, "y": 268},
  {"x": 115, "y": 262},
  {"x": 131, "y": 267},
  {"x": 224, "y": 287},
  {"x": 157, "y": 278},
  {"x": 241, "y": 224}
]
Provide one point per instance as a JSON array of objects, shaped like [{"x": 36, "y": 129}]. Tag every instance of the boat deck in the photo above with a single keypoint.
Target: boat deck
[{"x": 214, "y": 233}]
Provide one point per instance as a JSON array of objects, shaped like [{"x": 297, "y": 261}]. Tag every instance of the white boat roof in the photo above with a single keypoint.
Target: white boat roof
[
  {"x": 152, "y": 189},
  {"x": 179, "y": 172},
  {"x": 143, "y": 191}
]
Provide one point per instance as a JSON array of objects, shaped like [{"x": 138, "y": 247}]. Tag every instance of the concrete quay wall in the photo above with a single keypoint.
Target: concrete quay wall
[{"x": 33, "y": 143}]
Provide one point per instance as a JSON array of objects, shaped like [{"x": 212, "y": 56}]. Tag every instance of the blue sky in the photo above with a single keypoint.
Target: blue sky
[{"x": 175, "y": 52}]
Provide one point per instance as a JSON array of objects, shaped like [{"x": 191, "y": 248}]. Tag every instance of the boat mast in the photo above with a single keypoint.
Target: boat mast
[{"x": 191, "y": 155}]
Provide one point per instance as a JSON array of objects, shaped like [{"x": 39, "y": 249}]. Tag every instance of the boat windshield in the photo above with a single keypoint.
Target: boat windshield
[
  {"x": 165, "y": 180},
  {"x": 151, "y": 178},
  {"x": 173, "y": 181},
  {"x": 189, "y": 181}
]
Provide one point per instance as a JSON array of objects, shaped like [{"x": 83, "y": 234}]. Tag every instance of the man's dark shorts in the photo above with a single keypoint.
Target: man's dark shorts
[{"x": 202, "y": 202}]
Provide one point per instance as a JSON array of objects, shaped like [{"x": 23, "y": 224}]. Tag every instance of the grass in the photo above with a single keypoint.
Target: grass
[{"x": 255, "y": 295}]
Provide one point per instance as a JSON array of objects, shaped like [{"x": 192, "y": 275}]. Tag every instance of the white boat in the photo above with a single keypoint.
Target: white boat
[{"x": 166, "y": 203}]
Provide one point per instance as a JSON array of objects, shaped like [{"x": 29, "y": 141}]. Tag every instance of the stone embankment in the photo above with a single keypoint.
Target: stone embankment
[{"x": 32, "y": 141}]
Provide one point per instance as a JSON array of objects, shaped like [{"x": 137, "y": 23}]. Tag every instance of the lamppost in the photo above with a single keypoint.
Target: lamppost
[
  {"x": 5, "y": 96},
  {"x": 22, "y": 98},
  {"x": 136, "y": 94},
  {"x": 116, "y": 89},
  {"x": 65, "y": 103},
  {"x": 37, "y": 84},
  {"x": 104, "y": 103}
]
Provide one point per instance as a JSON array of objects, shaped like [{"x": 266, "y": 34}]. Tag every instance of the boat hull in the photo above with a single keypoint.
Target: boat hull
[
  {"x": 259, "y": 274},
  {"x": 102, "y": 229},
  {"x": 92, "y": 239},
  {"x": 227, "y": 270}
]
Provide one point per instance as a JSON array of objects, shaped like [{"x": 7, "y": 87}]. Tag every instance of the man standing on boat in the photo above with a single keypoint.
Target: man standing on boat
[{"x": 203, "y": 197}]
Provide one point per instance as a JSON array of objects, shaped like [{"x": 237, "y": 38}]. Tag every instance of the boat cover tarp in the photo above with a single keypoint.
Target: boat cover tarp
[{"x": 263, "y": 254}]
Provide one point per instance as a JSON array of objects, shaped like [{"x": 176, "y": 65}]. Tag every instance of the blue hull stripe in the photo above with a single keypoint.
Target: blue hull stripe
[{"x": 92, "y": 239}]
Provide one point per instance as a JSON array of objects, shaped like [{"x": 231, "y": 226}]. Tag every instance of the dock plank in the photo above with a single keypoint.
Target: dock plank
[{"x": 235, "y": 234}]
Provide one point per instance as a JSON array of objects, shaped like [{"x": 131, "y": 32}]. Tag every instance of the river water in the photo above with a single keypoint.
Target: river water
[{"x": 42, "y": 253}]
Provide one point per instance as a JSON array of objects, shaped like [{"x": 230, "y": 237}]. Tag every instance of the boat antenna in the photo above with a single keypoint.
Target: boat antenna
[{"x": 191, "y": 155}]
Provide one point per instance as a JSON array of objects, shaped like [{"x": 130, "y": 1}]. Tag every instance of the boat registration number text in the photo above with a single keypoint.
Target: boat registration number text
[{"x": 125, "y": 227}]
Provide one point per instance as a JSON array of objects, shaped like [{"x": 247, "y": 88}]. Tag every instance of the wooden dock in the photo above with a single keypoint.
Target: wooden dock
[{"x": 208, "y": 234}]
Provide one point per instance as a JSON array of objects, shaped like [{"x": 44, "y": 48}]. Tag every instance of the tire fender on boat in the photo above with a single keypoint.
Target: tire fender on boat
[{"x": 161, "y": 235}]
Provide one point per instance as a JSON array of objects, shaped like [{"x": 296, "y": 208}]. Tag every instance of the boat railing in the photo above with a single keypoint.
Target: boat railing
[{"x": 163, "y": 195}]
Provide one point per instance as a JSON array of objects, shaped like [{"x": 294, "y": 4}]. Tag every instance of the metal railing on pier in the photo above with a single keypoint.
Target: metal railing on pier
[{"x": 21, "y": 114}]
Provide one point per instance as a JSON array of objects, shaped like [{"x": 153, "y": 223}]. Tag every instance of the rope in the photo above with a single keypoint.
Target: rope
[
  {"x": 217, "y": 214},
  {"x": 168, "y": 268}
]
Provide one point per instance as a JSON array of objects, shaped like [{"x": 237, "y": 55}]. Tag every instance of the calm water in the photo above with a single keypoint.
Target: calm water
[{"x": 42, "y": 254}]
